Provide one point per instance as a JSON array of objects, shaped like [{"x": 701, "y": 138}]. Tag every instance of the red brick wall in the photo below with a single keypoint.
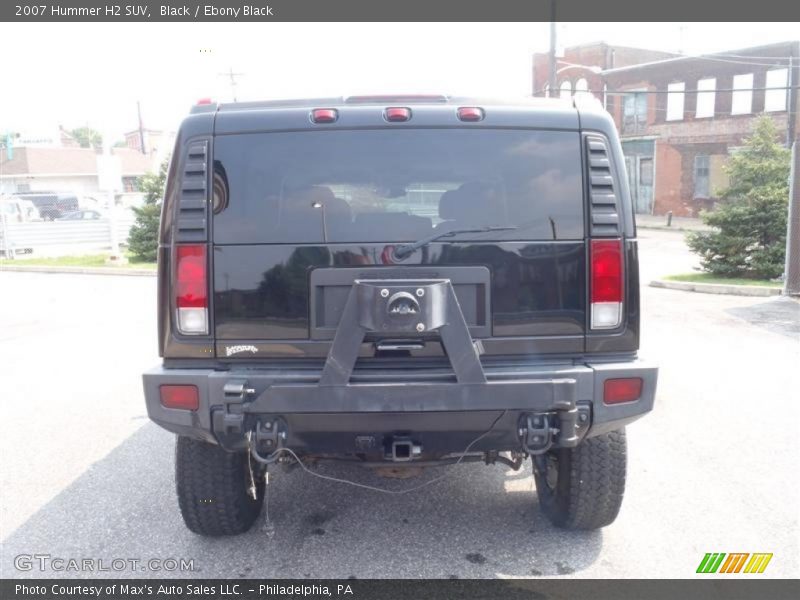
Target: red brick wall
[{"x": 668, "y": 186}]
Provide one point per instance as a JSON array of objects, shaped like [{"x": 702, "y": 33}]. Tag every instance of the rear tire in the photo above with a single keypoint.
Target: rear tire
[
  {"x": 582, "y": 487},
  {"x": 212, "y": 487}
]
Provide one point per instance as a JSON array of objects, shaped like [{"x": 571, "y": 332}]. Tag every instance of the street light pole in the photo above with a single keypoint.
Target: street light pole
[
  {"x": 551, "y": 82},
  {"x": 791, "y": 285},
  {"x": 108, "y": 178}
]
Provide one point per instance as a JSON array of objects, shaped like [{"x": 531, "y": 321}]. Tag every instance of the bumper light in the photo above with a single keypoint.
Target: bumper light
[
  {"x": 616, "y": 391},
  {"x": 184, "y": 397}
]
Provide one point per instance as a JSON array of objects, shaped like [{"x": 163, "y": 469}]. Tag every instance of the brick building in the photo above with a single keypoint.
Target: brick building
[{"x": 681, "y": 117}]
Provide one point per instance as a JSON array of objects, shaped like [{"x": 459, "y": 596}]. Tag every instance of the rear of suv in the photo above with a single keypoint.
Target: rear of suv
[{"x": 398, "y": 281}]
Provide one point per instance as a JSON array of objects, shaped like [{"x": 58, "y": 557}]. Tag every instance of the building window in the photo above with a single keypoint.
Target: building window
[
  {"x": 775, "y": 98},
  {"x": 675, "y": 95},
  {"x": 702, "y": 169},
  {"x": 130, "y": 184},
  {"x": 582, "y": 87},
  {"x": 742, "y": 102},
  {"x": 634, "y": 112},
  {"x": 566, "y": 90},
  {"x": 706, "y": 96}
]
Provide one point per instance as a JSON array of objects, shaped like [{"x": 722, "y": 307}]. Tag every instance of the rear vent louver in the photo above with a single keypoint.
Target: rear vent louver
[
  {"x": 604, "y": 206},
  {"x": 193, "y": 203}
]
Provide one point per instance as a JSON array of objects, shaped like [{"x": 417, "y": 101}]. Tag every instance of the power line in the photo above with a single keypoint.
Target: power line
[
  {"x": 692, "y": 91},
  {"x": 737, "y": 62}
]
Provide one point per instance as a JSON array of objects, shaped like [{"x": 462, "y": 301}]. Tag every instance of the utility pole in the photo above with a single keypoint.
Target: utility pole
[
  {"x": 551, "y": 82},
  {"x": 791, "y": 285},
  {"x": 232, "y": 76},
  {"x": 141, "y": 129}
]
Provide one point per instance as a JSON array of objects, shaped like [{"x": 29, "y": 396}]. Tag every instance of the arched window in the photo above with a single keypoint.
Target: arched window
[
  {"x": 546, "y": 90},
  {"x": 582, "y": 86},
  {"x": 566, "y": 90}
]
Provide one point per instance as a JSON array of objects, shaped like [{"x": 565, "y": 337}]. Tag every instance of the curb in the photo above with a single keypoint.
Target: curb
[
  {"x": 665, "y": 228},
  {"x": 716, "y": 288},
  {"x": 79, "y": 270}
]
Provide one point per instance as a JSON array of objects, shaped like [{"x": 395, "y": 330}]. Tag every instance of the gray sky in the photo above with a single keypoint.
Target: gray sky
[{"x": 78, "y": 74}]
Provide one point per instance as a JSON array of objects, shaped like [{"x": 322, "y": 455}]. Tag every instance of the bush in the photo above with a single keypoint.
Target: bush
[
  {"x": 749, "y": 235},
  {"x": 143, "y": 236}
]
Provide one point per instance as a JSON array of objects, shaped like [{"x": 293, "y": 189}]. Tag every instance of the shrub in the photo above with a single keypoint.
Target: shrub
[
  {"x": 749, "y": 223},
  {"x": 143, "y": 236}
]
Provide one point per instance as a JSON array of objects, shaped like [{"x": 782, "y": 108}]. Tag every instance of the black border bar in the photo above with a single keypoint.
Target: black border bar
[
  {"x": 397, "y": 10},
  {"x": 711, "y": 587}
]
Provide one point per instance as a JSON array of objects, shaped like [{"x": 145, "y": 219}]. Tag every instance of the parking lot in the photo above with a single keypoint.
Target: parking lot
[{"x": 84, "y": 474}]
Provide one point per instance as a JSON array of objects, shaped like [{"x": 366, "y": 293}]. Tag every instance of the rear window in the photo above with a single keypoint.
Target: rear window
[{"x": 396, "y": 185}]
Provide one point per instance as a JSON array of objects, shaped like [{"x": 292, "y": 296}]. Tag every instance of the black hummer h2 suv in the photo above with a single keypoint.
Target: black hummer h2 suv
[{"x": 405, "y": 281}]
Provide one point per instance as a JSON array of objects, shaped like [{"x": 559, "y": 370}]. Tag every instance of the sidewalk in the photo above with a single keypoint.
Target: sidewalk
[{"x": 678, "y": 223}]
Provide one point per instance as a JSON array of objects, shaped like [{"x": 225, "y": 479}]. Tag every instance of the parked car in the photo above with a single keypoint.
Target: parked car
[
  {"x": 18, "y": 210},
  {"x": 80, "y": 215},
  {"x": 403, "y": 282},
  {"x": 51, "y": 205}
]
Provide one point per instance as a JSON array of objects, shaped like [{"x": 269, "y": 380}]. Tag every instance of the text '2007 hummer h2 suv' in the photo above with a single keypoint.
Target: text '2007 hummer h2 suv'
[{"x": 403, "y": 281}]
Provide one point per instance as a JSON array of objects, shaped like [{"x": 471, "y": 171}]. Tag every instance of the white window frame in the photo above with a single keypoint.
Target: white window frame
[
  {"x": 706, "y": 98},
  {"x": 742, "y": 95},
  {"x": 676, "y": 95},
  {"x": 775, "y": 100}
]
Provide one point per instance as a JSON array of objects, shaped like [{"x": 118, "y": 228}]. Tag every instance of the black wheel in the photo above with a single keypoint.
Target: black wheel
[
  {"x": 582, "y": 487},
  {"x": 212, "y": 487}
]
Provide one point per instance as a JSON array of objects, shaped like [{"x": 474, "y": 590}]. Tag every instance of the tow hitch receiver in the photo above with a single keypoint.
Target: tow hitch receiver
[{"x": 404, "y": 450}]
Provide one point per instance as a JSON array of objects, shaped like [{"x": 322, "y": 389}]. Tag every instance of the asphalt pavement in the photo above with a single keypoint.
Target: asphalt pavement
[{"x": 84, "y": 474}]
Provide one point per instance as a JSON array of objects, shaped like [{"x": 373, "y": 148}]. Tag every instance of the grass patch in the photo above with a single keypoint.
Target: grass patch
[
  {"x": 88, "y": 260},
  {"x": 709, "y": 278}
]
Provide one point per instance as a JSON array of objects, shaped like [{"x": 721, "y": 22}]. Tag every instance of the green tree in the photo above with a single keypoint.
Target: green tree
[
  {"x": 87, "y": 137},
  {"x": 143, "y": 236},
  {"x": 748, "y": 238}
]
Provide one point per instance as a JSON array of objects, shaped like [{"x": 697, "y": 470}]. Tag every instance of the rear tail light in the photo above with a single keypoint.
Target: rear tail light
[
  {"x": 191, "y": 289},
  {"x": 397, "y": 114},
  {"x": 184, "y": 397},
  {"x": 324, "y": 115},
  {"x": 616, "y": 391},
  {"x": 606, "y": 283}
]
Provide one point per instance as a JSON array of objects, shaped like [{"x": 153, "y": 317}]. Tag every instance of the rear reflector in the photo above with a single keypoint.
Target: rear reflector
[
  {"x": 470, "y": 113},
  {"x": 184, "y": 397},
  {"x": 606, "y": 283},
  {"x": 324, "y": 115},
  {"x": 191, "y": 288},
  {"x": 622, "y": 390},
  {"x": 396, "y": 114}
]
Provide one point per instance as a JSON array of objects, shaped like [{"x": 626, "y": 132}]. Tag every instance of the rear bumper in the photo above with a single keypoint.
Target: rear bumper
[{"x": 426, "y": 406}]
